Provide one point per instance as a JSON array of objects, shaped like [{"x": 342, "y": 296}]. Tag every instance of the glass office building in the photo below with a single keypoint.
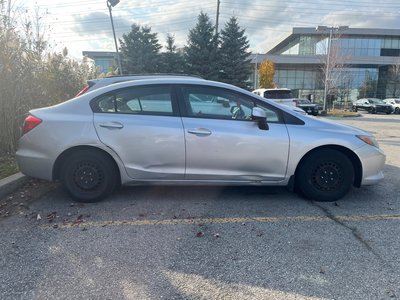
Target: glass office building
[{"x": 362, "y": 62}]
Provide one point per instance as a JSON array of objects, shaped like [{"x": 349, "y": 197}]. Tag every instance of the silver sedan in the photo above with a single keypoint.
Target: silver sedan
[{"x": 192, "y": 131}]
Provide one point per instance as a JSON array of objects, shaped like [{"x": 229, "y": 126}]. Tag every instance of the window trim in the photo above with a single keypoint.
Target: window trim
[
  {"x": 174, "y": 101},
  {"x": 184, "y": 111}
]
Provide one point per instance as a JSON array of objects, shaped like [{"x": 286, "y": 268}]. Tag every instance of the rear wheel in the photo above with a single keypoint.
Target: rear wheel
[
  {"x": 354, "y": 108},
  {"x": 397, "y": 110},
  {"x": 325, "y": 175},
  {"x": 89, "y": 176}
]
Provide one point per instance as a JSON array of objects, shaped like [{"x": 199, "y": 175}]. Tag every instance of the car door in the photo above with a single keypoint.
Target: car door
[
  {"x": 142, "y": 125},
  {"x": 223, "y": 143}
]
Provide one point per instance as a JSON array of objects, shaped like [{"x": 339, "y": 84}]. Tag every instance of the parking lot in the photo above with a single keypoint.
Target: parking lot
[{"x": 211, "y": 242}]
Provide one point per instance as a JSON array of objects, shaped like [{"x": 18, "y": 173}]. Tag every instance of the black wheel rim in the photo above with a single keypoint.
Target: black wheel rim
[
  {"x": 327, "y": 176},
  {"x": 87, "y": 176}
]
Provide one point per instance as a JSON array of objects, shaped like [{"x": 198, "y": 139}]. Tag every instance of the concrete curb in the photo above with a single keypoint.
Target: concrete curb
[{"x": 11, "y": 183}]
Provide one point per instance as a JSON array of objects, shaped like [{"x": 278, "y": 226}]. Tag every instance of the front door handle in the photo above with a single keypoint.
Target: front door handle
[
  {"x": 199, "y": 131},
  {"x": 111, "y": 125}
]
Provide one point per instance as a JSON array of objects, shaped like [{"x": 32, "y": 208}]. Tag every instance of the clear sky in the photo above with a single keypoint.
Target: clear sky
[{"x": 85, "y": 25}]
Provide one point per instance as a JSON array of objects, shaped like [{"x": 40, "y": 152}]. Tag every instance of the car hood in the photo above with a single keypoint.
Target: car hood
[{"x": 332, "y": 126}]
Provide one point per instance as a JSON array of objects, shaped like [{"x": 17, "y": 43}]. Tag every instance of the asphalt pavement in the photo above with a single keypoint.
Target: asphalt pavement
[{"x": 211, "y": 242}]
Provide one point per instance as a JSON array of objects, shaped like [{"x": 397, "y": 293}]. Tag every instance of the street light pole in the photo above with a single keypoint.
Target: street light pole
[
  {"x": 328, "y": 56},
  {"x": 110, "y": 4},
  {"x": 327, "y": 71}
]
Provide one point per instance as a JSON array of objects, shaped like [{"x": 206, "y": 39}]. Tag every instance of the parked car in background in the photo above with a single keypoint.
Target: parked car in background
[
  {"x": 192, "y": 131},
  {"x": 395, "y": 102},
  {"x": 282, "y": 96},
  {"x": 306, "y": 105},
  {"x": 372, "y": 105}
]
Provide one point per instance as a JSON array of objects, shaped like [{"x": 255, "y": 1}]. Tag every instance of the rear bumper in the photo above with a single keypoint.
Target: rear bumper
[{"x": 35, "y": 164}]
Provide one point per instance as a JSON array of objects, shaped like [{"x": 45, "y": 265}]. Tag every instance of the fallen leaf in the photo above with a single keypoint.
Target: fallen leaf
[
  {"x": 38, "y": 217},
  {"x": 50, "y": 217},
  {"x": 200, "y": 234}
]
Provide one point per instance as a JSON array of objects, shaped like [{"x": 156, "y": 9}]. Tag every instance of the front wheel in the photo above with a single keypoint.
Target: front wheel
[
  {"x": 89, "y": 176},
  {"x": 397, "y": 110},
  {"x": 325, "y": 175}
]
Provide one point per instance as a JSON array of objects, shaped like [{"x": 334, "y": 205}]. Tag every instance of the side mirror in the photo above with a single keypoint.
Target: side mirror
[{"x": 259, "y": 115}]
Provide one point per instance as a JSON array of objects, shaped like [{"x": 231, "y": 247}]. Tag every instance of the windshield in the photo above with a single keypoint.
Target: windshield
[
  {"x": 303, "y": 101},
  {"x": 376, "y": 101},
  {"x": 278, "y": 94}
]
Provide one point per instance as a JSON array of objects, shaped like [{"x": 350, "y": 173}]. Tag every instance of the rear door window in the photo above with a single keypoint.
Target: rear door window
[{"x": 151, "y": 100}]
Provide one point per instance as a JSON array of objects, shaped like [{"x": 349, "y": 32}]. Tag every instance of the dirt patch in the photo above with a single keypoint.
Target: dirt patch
[{"x": 18, "y": 202}]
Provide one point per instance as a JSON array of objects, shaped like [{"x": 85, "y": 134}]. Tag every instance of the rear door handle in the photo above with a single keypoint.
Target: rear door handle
[
  {"x": 111, "y": 125},
  {"x": 199, "y": 131}
]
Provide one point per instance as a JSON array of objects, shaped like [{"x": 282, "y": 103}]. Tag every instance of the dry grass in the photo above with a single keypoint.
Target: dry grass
[
  {"x": 342, "y": 113},
  {"x": 8, "y": 166}
]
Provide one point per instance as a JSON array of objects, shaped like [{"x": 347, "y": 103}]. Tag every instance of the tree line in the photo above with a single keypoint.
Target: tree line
[{"x": 219, "y": 56}]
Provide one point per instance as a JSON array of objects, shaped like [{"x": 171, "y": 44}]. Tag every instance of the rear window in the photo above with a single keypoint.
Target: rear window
[
  {"x": 278, "y": 94},
  {"x": 155, "y": 100}
]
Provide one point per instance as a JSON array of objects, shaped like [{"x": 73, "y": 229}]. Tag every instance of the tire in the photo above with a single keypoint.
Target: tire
[
  {"x": 89, "y": 175},
  {"x": 397, "y": 110},
  {"x": 354, "y": 108},
  {"x": 311, "y": 177}
]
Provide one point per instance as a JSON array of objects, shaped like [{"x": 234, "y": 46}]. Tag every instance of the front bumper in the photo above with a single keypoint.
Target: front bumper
[{"x": 372, "y": 161}]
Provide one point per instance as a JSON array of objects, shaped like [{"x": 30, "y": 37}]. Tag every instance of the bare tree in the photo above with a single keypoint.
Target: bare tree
[
  {"x": 333, "y": 68},
  {"x": 393, "y": 87}
]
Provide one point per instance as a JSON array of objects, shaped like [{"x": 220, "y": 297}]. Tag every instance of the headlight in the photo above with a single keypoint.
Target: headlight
[{"x": 369, "y": 139}]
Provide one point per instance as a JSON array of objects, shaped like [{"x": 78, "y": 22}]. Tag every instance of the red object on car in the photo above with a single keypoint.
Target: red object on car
[
  {"x": 30, "y": 123},
  {"x": 83, "y": 91}
]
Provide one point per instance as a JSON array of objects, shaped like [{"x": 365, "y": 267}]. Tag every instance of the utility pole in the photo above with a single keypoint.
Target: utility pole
[
  {"x": 256, "y": 73},
  {"x": 217, "y": 18},
  {"x": 9, "y": 11}
]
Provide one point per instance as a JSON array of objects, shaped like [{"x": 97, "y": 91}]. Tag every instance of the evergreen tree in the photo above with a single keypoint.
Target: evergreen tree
[
  {"x": 234, "y": 59},
  {"x": 172, "y": 61},
  {"x": 140, "y": 51},
  {"x": 201, "y": 51}
]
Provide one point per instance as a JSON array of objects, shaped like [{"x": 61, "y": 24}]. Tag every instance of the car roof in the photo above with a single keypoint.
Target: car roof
[
  {"x": 100, "y": 82},
  {"x": 275, "y": 89},
  {"x": 164, "y": 80}
]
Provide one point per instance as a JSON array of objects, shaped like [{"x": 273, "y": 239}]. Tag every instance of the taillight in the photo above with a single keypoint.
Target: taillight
[
  {"x": 30, "y": 123},
  {"x": 84, "y": 90}
]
